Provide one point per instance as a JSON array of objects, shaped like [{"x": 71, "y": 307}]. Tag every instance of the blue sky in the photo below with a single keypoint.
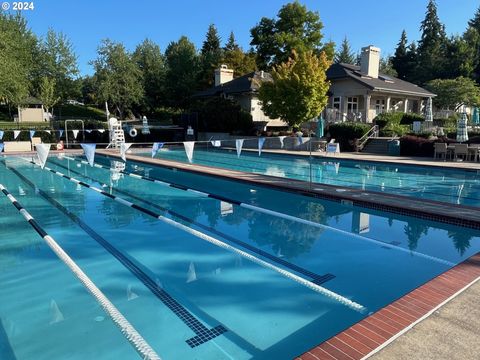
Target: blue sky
[{"x": 377, "y": 22}]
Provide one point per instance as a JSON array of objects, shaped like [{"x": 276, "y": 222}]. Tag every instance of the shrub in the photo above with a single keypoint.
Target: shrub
[
  {"x": 396, "y": 118},
  {"x": 409, "y": 118},
  {"x": 392, "y": 130},
  {"x": 345, "y": 133},
  {"x": 418, "y": 146},
  {"x": 222, "y": 115}
]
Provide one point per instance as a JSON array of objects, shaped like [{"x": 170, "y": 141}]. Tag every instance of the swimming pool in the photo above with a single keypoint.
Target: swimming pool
[
  {"x": 232, "y": 307},
  {"x": 454, "y": 186}
]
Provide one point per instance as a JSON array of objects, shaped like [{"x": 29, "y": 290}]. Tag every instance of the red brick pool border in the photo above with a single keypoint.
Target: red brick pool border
[{"x": 379, "y": 329}]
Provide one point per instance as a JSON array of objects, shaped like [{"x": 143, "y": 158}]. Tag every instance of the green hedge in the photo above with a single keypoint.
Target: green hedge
[
  {"x": 345, "y": 133},
  {"x": 396, "y": 118}
]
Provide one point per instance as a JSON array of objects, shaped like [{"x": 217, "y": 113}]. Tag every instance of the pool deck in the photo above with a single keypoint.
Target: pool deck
[{"x": 466, "y": 216}]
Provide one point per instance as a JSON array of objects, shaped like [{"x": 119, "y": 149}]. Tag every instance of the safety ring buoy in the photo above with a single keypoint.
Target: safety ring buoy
[
  {"x": 60, "y": 145},
  {"x": 132, "y": 132}
]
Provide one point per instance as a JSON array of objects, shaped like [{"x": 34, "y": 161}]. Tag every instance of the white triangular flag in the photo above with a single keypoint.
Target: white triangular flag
[
  {"x": 261, "y": 141},
  {"x": 189, "y": 145},
  {"x": 239, "y": 145},
  {"x": 101, "y": 131},
  {"x": 130, "y": 294},
  {"x": 89, "y": 150},
  {"x": 57, "y": 315},
  {"x": 123, "y": 150},
  {"x": 15, "y": 134},
  {"x": 42, "y": 153},
  {"x": 48, "y": 131},
  {"x": 191, "y": 274},
  {"x": 281, "y": 138},
  {"x": 75, "y": 133},
  {"x": 216, "y": 143}
]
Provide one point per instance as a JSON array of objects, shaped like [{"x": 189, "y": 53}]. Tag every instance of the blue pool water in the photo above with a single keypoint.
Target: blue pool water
[
  {"x": 447, "y": 185},
  {"x": 45, "y": 313}
]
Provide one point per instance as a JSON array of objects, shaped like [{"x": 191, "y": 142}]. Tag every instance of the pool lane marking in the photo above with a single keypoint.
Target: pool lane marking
[
  {"x": 202, "y": 333},
  {"x": 317, "y": 288},
  {"x": 317, "y": 279},
  {"x": 282, "y": 215},
  {"x": 131, "y": 334}
]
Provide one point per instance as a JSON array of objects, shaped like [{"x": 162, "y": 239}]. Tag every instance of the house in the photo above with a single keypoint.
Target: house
[
  {"x": 359, "y": 93},
  {"x": 243, "y": 90},
  {"x": 32, "y": 111}
]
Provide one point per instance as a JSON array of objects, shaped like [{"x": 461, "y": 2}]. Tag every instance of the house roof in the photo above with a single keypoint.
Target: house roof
[
  {"x": 383, "y": 83},
  {"x": 247, "y": 83},
  {"x": 32, "y": 101}
]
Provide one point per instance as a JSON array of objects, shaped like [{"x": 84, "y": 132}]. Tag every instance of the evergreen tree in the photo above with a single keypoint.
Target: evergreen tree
[
  {"x": 345, "y": 55},
  {"x": 182, "y": 71},
  {"x": 386, "y": 67},
  {"x": 236, "y": 59},
  {"x": 399, "y": 59},
  {"x": 431, "y": 47},
  {"x": 231, "y": 44},
  {"x": 295, "y": 28},
  {"x": 472, "y": 45},
  {"x": 211, "y": 57}
]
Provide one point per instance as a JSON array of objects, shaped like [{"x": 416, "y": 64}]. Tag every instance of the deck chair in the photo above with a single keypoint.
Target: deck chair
[
  {"x": 440, "y": 151},
  {"x": 461, "y": 150}
]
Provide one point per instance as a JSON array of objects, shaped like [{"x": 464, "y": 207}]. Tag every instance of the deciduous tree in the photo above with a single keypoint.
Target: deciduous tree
[
  {"x": 454, "y": 93},
  {"x": 298, "y": 92},
  {"x": 296, "y": 28},
  {"x": 118, "y": 78}
]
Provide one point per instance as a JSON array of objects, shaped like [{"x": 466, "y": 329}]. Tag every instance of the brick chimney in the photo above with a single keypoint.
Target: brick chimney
[
  {"x": 370, "y": 61},
  {"x": 223, "y": 75}
]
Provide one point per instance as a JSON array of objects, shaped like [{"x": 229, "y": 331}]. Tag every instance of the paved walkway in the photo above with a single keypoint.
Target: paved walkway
[{"x": 452, "y": 332}]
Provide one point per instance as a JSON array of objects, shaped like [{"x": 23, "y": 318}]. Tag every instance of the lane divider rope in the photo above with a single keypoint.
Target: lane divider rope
[
  {"x": 130, "y": 333},
  {"x": 276, "y": 213},
  {"x": 317, "y": 288}
]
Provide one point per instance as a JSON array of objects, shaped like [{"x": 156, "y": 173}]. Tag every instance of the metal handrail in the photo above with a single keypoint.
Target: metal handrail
[{"x": 372, "y": 133}]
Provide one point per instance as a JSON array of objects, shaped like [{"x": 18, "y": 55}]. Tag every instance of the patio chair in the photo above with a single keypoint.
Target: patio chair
[
  {"x": 440, "y": 151},
  {"x": 461, "y": 150}
]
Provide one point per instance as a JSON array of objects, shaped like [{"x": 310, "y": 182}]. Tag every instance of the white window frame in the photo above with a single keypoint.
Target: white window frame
[
  {"x": 352, "y": 104},
  {"x": 337, "y": 101}
]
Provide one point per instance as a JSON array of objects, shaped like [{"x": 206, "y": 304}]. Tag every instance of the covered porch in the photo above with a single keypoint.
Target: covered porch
[{"x": 364, "y": 107}]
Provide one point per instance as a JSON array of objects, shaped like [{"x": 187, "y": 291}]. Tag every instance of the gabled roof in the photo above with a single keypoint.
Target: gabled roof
[
  {"x": 247, "y": 83},
  {"x": 383, "y": 83}
]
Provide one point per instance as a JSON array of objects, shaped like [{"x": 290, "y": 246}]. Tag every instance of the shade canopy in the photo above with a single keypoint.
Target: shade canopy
[
  {"x": 320, "y": 127},
  {"x": 428, "y": 110},
  {"x": 476, "y": 116}
]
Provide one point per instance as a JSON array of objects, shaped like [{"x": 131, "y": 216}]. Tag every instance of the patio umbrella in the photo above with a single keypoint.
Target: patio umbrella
[
  {"x": 320, "y": 126},
  {"x": 428, "y": 110},
  {"x": 475, "y": 116},
  {"x": 462, "y": 134}
]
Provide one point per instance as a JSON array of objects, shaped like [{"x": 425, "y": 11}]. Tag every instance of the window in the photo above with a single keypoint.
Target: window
[
  {"x": 380, "y": 106},
  {"x": 352, "y": 104},
  {"x": 337, "y": 102}
]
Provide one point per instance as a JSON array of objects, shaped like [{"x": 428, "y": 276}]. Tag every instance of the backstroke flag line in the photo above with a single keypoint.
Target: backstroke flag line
[
  {"x": 261, "y": 141},
  {"x": 281, "y": 138},
  {"x": 75, "y": 133},
  {"x": 189, "y": 149},
  {"x": 216, "y": 143},
  {"x": 123, "y": 150},
  {"x": 16, "y": 133},
  {"x": 32, "y": 133},
  {"x": 156, "y": 146},
  {"x": 239, "y": 145},
  {"x": 42, "y": 153},
  {"x": 1, "y": 147},
  {"x": 1, "y": 134},
  {"x": 60, "y": 133},
  {"x": 89, "y": 150}
]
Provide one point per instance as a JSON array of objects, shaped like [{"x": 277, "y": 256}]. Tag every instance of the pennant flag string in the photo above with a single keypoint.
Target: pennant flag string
[
  {"x": 261, "y": 141},
  {"x": 89, "y": 151},
  {"x": 189, "y": 145},
  {"x": 42, "y": 153},
  {"x": 156, "y": 146},
  {"x": 239, "y": 145}
]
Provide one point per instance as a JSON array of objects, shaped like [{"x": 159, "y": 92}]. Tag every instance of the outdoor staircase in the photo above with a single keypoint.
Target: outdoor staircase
[{"x": 378, "y": 145}]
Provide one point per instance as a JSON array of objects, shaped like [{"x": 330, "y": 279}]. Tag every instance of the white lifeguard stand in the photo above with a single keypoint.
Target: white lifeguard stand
[{"x": 117, "y": 135}]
